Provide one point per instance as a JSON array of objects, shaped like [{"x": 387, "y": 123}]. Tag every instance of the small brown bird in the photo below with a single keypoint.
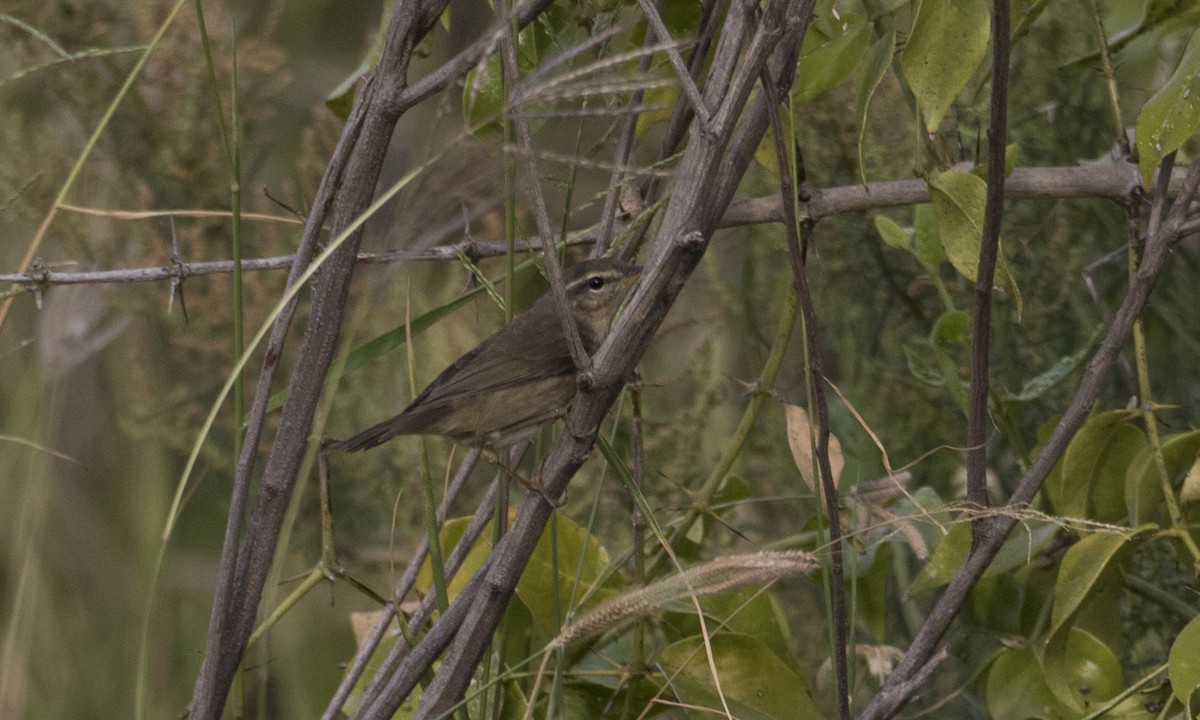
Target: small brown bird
[{"x": 505, "y": 389}]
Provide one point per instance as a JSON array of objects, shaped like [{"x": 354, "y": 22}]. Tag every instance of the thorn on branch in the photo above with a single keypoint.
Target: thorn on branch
[
  {"x": 39, "y": 278},
  {"x": 179, "y": 273},
  {"x": 267, "y": 194}
]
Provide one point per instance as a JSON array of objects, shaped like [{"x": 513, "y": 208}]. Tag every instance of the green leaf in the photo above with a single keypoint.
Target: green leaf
[
  {"x": 341, "y": 99},
  {"x": 1108, "y": 488},
  {"x": 1172, "y": 115},
  {"x": 765, "y": 154},
  {"x": 483, "y": 96},
  {"x": 1080, "y": 464},
  {"x": 958, "y": 200},
  {"x": 1010, "y": 161},
  {"x": 1090, "y": 671},
  {"x": 1090, "y": 567},
  {"x": 1036, "y": 387},
  {"x": 449, "y": 537},
  {"x": 951, "y": 331},
  {"x": 748, "y": 611},
  {"x": 872, "y": 600},
  {"x": 1183, "y": 663},
  {"x": 755, "y": 683},
  {"x": 1025, "y": 540},
  {"x": 1016, "y": 689},
  {"x": 484, "y": 90},
  {"x": 879, "y": 58},
  {"x": 578, "y": 566},
  {"x": 952, "y": 328},
  {"x": 927, "y": 245},
  {"x": 1084, "y": 567},
  {"x": 828, "y": 59},
  {"x": 920, "y": 366},
  {"x": 1143, "y": 488},
  {"x": 894, "y": 235},
  {"x": 659, "y": 102},
  {"x": 949, "y": 39}
]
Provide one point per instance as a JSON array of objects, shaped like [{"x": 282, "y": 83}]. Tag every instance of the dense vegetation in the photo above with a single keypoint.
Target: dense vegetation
[{"x": 849, "y": 248}]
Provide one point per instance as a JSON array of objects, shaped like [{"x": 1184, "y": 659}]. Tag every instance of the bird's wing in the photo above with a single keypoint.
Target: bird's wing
[{"x": 499, "y": 363}]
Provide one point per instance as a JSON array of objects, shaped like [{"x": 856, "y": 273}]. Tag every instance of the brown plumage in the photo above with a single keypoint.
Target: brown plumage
[{"x": 519, "y": 377}]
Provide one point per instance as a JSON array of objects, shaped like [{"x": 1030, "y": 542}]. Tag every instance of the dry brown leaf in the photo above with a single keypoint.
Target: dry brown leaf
[{"x": 802, "y": 441}]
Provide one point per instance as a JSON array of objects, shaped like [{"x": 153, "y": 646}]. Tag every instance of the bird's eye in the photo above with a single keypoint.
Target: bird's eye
[{"x": 595, "y": 282}]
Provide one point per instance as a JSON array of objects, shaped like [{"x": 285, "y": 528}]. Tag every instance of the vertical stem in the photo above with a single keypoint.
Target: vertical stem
[
  {"x": 432, "y": 525},
  {"x": 981, "y": 320},
  {"x": 1150, "y": 420},
  {"x": 638, "y": 530},
  {"x": 1110, "y": 77}
]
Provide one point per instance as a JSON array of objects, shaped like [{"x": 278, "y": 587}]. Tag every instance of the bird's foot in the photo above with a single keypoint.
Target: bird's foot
[{"x": 533, "y": 486}]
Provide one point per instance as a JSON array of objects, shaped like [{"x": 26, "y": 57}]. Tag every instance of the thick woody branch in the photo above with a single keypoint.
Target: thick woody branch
[{"x": 246, "y": 557}]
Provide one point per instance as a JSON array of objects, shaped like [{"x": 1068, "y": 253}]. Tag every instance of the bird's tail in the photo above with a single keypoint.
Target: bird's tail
[{"x": 369, "y": 438}]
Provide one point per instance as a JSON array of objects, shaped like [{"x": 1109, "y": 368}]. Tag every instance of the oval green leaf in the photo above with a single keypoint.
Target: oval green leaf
[
  {"x": 1024, "y": 542},
  {"x": 949, "y": 39},
  {"x": 1172, "y": 115},
  {"x": 1183, "y": 663},
  {"x": 1082, "y": 461},
  {"x": 1015, "y": 688},
  {"x": 755, "y": 683},
  {"x": 892, "y": 234},
  {"x": 828, "y": 59},
  {"x": 1090, "y": 567},
  {"x": 926, "y": 245},
  {"x": 958, "y": 200},
  {"x": 1090, "y": 672},
  {"x": 749, "y": 611},
  {"x": 1143, "y": 488},
  {"x": 577, "y": 567}
]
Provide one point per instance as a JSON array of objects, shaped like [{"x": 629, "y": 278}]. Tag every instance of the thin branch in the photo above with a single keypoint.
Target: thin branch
[
  {"x": 690, "y": 91},
  {"x": 554, "y": 273},
  {"x": 466, "y": 60},
  {"x": 993, "y": 212},
  {"x": 388, "y": 680},
  {"x": 405, "y": 584},
  {"x": 473, "y": 249},
  {"x": 616, "y": 182},
  {"x": 1114, "y": 181},
  {"x": 829, "y": 491}
]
